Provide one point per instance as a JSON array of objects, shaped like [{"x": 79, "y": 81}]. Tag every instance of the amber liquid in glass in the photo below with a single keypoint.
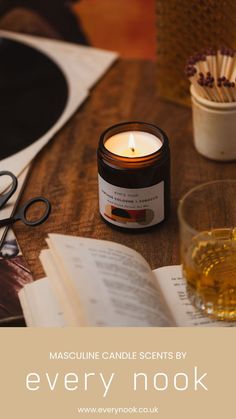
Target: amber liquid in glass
[{"x": 209, "y": 266}]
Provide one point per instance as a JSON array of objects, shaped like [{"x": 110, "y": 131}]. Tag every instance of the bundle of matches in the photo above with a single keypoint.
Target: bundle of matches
[{"x": 213, "y": 74}]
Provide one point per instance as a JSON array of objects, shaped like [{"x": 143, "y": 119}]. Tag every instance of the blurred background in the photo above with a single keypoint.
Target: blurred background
[
  {"x": 165, "y": 31},
  {"x": 126, "y": 26}
]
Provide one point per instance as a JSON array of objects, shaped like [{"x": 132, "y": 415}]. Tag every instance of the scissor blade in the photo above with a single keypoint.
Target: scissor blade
[
  {"x": 9, "y": 209},
  {"x": 6, "y": 222}
]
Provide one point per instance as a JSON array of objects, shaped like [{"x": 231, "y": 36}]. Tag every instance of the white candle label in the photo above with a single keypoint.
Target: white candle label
[{"x": 131, "y": 208}]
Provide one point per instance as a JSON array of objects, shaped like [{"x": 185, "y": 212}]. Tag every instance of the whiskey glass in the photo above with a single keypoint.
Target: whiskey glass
[{"x": 207, "y": 218}]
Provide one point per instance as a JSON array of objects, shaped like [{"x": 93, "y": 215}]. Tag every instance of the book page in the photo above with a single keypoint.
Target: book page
[
  {"x": 113, "y": 283},
  {"x": 62, "y": 294},
  {"x": 39, "y": 305},
  {"x": 173, "y": 287}
]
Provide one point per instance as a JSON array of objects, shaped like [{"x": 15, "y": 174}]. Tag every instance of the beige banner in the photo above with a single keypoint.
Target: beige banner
[{"x": 163, "y": 373}]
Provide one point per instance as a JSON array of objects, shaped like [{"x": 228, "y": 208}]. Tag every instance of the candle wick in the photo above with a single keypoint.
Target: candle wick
[{"x": 132, "y": 149}]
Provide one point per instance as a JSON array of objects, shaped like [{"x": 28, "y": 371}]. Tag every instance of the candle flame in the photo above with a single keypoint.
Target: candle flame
[{"x": 132, "y": 142}]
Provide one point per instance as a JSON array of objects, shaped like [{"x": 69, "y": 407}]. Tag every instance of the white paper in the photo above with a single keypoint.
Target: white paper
[
  {"x": 39, "y": 305},
  {"x": 112, "y": 283},
  {"x": 60, "y": 292}
]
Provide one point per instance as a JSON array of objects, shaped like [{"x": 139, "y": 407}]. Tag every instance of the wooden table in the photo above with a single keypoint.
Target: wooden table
[{"x": 66, "y": 171}]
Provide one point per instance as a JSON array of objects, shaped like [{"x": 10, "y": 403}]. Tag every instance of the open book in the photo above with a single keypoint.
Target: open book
[{"x": 99, "y": 283}]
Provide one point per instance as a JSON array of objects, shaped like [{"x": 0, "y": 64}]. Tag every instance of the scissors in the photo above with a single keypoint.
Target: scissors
[{"x": 21, "y": 213}]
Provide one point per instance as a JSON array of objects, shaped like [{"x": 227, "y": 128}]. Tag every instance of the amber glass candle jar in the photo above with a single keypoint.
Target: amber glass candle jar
[{"x": 134, "y": 175}]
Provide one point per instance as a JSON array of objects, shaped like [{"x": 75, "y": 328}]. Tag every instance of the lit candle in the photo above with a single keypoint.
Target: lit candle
[
  {"x": 133, "y": 144},
  {"x": 134, "y": 175}
]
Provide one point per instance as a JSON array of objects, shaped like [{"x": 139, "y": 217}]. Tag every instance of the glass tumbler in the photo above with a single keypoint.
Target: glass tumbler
[{"x": 207, "y": 217}]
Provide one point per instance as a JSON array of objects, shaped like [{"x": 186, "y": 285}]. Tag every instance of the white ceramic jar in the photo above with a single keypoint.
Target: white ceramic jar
[{"x": 214, "y": 128}]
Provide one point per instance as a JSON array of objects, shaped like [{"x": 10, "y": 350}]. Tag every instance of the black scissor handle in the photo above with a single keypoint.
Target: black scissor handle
[
  {"x": 5, "y": 197},
  {"x": 22, "y": 216}
]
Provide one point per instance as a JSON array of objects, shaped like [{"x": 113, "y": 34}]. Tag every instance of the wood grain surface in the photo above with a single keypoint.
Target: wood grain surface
[{"x": 66, "y": 170}]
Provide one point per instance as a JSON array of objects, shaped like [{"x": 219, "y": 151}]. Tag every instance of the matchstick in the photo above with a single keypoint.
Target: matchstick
[{"x": 213, "y": 74}]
